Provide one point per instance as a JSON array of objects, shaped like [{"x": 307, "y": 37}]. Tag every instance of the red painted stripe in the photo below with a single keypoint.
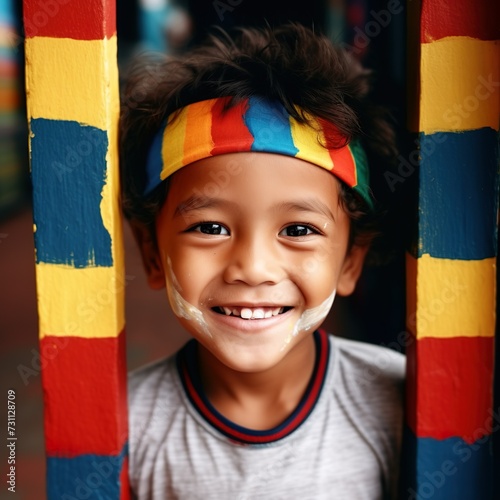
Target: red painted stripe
[
  {"x": 299, "y": 418},
  {"x": 450, "y": 387},
  {"x": 230, "y": 120},
  {"x": 82, "y": 20},
  {"x": 85, "y": 399},
  {"x": 444, "y": 18}
]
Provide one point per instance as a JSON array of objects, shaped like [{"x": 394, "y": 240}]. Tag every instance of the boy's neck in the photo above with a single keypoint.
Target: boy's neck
[{"x": 262, "y": 400}]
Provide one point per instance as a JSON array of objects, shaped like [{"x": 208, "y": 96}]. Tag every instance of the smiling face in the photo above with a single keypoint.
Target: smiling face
[{"x": 252, "y": 248}]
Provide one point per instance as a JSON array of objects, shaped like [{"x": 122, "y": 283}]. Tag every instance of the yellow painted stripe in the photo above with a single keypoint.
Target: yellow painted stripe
[
  {"x": 459, "y": 84},
  {"x": 310, "y": 150},
  {"x": 80, "y": 302},
  {"x": 454, "y": 298},
  {"x": 173, "y": 143},
  {"x": 71, "y": 79}
]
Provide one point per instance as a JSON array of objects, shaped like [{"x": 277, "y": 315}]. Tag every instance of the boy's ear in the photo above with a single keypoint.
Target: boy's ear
[
  {"x": 351, "y": 269},
  {"x": 150, "y": 256}
]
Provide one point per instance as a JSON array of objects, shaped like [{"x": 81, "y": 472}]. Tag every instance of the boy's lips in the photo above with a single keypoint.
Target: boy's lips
[{"x": 251, "y": 311}]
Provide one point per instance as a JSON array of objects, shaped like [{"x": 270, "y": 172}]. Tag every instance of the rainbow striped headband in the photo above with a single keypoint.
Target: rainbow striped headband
[{"x": 210, "y": 128}]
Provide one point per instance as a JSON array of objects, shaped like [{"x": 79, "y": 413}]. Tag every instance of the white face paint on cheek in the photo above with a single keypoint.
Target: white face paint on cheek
[
  {"x": 181, "y": 307},
  {"x": 311, "y": 317}
]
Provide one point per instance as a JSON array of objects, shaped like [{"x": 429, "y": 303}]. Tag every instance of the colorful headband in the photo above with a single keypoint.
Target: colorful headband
[{"x": 210, "y": 128}]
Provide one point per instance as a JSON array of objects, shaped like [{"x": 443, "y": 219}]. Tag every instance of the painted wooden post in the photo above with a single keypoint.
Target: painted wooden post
[
  {"x": 451, "y": 277},
  {"x": 73, "y": 108}
]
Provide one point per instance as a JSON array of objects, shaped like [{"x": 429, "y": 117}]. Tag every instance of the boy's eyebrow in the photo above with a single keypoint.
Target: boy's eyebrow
[
  {"x": 198, "y": 202},
  {"x": 307, "y": 205}
]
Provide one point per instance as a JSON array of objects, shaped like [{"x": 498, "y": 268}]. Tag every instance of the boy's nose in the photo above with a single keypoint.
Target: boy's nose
[{"x": 254, "y": 263}]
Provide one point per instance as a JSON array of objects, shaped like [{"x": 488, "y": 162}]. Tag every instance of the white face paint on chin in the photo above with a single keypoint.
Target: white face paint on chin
[
  {"x": 182, "y": 308},
  {"x": 311, "y": 317}
]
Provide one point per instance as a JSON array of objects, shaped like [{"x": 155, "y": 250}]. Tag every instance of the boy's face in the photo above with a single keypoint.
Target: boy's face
[{"x": 252, "y": 234}]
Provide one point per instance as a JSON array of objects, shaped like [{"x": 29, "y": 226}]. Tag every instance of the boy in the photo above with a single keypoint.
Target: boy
[{"x": 246, "y": 180}]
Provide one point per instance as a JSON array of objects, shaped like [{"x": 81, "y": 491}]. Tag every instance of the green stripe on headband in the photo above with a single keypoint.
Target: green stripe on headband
[{"x": 210, "y": 128}]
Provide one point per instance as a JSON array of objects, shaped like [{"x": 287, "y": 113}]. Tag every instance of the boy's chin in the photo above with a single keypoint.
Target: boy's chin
[
  {"x": 253, "y": 354},
  {"x": 248, "y": 360}
]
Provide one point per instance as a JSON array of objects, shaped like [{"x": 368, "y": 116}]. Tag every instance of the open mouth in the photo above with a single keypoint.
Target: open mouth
[{"x": 251, "y": 312}]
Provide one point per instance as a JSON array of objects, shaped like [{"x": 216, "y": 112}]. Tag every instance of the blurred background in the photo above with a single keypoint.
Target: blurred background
[{"x": 373, "y": 30}]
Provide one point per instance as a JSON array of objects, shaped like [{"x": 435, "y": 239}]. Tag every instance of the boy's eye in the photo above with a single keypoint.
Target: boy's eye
[
  {"x": 296, "y": 230},
  {"x": 210, "y": 228}
]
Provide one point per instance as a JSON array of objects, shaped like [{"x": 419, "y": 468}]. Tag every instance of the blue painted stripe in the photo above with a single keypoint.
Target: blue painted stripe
[
  {"x": 85, "y": 476},
  {"x": 448, "y": 468},
  {"x": 270, "y": 126},
  {"x": 68, "y": 169},
  {"x": 459, "y": 194}
]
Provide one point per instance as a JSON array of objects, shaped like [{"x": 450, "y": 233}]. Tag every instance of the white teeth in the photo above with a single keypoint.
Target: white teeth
[
  {"x": 246, "y": 313},
  {"x": 258, "y": 314},
  {"x": 249, "y": 313}
]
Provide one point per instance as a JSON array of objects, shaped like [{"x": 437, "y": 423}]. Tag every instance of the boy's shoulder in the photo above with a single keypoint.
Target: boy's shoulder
[
  {"x": 369, "y": 386},
  {"x": 149, "y": 382},
  {"x": 379, "y": 360},
  {"x": 368, "y": 380}
]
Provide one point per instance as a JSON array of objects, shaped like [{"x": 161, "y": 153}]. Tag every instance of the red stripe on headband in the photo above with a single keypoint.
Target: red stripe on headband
[
  {"x": 344, "y": 164},
  {"x": 229, "y": 132}
]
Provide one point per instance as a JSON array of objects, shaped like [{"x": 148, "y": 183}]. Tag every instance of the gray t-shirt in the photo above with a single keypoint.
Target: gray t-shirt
[{"x": 342, "y": 442}]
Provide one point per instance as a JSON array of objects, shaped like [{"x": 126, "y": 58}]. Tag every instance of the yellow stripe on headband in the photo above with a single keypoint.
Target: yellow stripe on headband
[
  {"x": 310, "y": 150},
  {"x": 212, "y": 127}
]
